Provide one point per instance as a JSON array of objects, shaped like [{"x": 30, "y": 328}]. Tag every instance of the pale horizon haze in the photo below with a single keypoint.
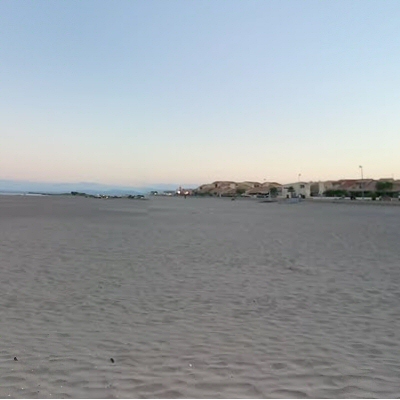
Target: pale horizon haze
[{"x": 144, "y": 92}]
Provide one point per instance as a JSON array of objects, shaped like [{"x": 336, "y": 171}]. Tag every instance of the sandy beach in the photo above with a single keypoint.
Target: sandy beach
[{"x": 198, "y": 298}]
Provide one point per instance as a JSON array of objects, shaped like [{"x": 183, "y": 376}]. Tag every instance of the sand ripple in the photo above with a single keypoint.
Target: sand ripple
[{"x": 198, "y": 298}]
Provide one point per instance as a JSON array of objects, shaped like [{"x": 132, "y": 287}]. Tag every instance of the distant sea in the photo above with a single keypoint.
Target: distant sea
[{"x": 20, "y": 194}]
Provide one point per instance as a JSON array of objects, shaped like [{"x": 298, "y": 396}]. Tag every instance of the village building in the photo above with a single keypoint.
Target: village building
[{"x": 297, "y": 189}]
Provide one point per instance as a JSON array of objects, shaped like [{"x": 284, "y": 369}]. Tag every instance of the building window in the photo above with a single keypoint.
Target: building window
[{"x": 302, "y": 186}]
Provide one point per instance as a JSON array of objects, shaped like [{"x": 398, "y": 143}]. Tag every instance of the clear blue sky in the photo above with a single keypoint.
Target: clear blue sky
[{"x": 141, "y": 92}]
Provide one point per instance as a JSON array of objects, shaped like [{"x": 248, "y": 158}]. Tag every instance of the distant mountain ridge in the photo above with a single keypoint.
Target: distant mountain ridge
[{"x": 14, "y": 186}]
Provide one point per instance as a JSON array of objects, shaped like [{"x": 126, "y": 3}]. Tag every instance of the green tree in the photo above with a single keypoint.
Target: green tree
[
  {"x": 383, "y": 187},
  {"x": 273, "y": 192},
  {"x": 335, "y": 193}
]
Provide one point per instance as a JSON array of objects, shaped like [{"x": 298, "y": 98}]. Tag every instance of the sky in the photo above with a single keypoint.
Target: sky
[{"x": 143, "y": 92}]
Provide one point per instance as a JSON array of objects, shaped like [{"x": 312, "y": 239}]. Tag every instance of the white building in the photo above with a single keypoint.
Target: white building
[
  {"x": 319, "y": 188},
  {"x": 297, "y": 189}
]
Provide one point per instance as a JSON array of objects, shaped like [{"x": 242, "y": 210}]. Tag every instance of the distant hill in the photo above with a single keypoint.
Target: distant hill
[{"x": 14, "y": 186}]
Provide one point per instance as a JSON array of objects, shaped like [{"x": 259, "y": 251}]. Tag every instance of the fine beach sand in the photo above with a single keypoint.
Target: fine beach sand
[{"x": 198, "y": 298}]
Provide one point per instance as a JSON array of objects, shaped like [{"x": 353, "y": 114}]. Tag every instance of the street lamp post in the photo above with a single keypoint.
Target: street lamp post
[
  {"x": 298, "y": 183},
  {"x": 362, "y": 181}
]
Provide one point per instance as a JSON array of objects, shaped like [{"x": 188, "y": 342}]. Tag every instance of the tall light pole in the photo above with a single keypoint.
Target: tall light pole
[
  {"x": 298, "y": 183},
  {"x": 362, "y": 181}
]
